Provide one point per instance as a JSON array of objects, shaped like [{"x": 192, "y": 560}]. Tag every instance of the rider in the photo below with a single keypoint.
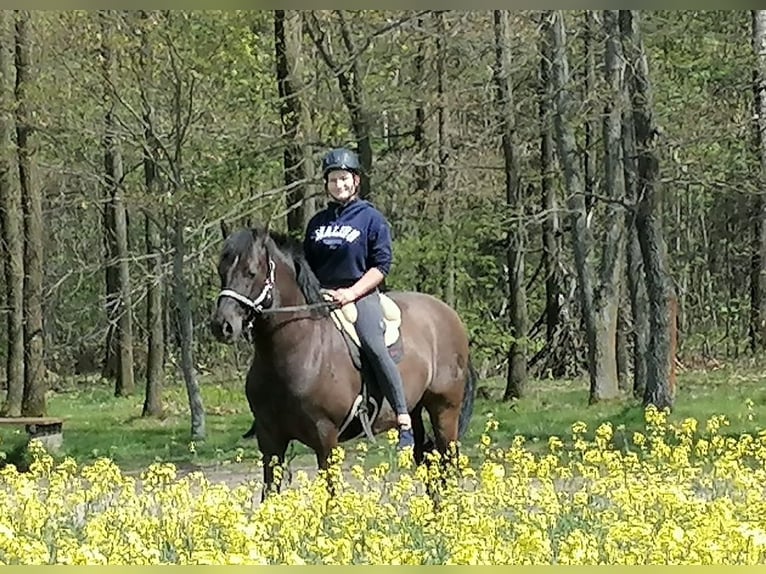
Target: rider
[{"x": 348, "y": 246}]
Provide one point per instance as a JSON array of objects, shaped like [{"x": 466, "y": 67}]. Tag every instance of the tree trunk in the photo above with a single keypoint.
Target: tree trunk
[
  {"x": 636, "y": 282},
  {"x": 186, "y": 328},
  {"x": 35, "y": 384},
  {"x": 296, "y": 121},
  {"x": 351, "y": 88},
  {"x": 590, "y": 94},
  {"x": 635, "y": 266},
  {"x": 517, "y": 307},
  {"x": 155, "y": 358},
  {"x": 422, "y": 167},
  {"x": 582, "y": 239},
  {"x": 180, "y": 289},
  {"x": 443, "y": 187},
  {"x": 12, "y": 225},
  {"x": 758, "y": 268},
  {"x": 660, "y": 353},
  {"x": 559, "y": 357},
  {"x": 607, "y": 299},
  {"x": 122, "y": 306},
  {"x": 623, "y": 354},
  {"x": 672, "y": 343},
  {"x": 550, "y": 224},
  {"x": 110, "y": 367},
  {"x": 422, "y": 174},
  {"x": 154, "y": 314},
  {"x": 170, "y": 331}
]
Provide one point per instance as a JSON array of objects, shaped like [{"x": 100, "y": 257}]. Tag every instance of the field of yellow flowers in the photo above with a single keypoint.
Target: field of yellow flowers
[{"x": 681, "y": 493}]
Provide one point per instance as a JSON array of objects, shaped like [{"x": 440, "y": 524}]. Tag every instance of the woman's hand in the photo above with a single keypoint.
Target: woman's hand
[{"x": 343, "y": 296}]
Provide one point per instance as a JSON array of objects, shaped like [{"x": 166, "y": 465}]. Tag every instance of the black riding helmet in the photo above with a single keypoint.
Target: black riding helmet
[{"x": 340, "y": 158}]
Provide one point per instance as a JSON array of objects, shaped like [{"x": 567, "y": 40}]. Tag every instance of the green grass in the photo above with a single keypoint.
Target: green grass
[
  {"x": 550, "y": 408},
  {"x": 99, "y": 424}
]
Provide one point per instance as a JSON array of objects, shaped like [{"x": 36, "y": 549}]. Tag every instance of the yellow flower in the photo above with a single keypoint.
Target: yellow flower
[
  {"x": 492, "y": 423},
  {"x": 579, "y": 428},
  {"x": 555, "y": 444},
  {"x": 677, "y": 499}
]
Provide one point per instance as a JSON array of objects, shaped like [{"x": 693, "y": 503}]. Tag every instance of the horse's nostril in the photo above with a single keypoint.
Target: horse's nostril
[{"x": 227, "y": 329}]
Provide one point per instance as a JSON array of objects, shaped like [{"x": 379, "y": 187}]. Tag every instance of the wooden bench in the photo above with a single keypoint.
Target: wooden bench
[{"x": 48, "y": 430}]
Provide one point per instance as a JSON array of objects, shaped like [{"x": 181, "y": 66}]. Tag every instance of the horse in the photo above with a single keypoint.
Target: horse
[{"x": 303, "y": 382}]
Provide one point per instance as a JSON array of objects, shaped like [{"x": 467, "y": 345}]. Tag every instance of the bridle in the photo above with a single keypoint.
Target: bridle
[
  {"x": 254, "y": 305},
  {"x": 257, "y": 306}
]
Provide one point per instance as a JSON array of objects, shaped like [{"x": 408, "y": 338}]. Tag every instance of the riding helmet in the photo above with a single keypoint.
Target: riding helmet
[{"x": 340, "y": 158}]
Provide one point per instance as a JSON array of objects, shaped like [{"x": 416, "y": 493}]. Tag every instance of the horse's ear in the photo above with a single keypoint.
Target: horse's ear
[{"x": 224, "y": 229}]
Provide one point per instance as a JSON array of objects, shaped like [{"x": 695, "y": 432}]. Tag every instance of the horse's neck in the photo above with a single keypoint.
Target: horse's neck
[
  {"x": 288, "y": 293},
  {"x": 284, "y": 341},
  {"x": 289, "y": 327}
]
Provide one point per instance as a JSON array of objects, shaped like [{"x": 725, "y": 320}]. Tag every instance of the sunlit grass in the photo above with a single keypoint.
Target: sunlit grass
[{"x": 99, "y": 424}]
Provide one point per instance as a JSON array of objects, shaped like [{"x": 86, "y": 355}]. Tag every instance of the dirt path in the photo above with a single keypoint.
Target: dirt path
[{"x": 236, "y": 474}]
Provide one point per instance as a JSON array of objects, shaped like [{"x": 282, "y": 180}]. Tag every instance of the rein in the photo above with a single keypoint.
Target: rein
[
  {"x": 298, "y": 307},
  {"x": 256, "y": 305}
]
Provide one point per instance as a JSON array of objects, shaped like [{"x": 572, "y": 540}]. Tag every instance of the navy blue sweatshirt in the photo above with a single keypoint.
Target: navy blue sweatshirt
[{"x": 343, "y": 242}]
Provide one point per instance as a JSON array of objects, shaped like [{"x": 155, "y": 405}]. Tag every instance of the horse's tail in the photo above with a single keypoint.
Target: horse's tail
[
  {"x": 466, "y": 410},
  {"x": 250, "y": 433}
]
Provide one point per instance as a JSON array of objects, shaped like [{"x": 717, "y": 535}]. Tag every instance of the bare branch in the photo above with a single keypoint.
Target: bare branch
[{"x": 346, "y": 34}]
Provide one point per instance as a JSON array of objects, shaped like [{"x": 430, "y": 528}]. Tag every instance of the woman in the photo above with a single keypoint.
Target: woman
[{"x": 348, "y": 246}]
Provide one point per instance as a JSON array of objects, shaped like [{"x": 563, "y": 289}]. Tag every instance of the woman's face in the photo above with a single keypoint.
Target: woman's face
[{"x": 342, "y": 185}]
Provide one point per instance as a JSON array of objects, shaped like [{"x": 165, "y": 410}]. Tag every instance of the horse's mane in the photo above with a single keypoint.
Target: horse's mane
[{"x": 291, "y": 249}]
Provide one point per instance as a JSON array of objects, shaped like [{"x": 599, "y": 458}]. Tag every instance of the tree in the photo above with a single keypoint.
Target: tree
[
  {"x": 155, "y": 356},
  {"x": 560, "y": 356},
  {"x": 296, "y": 121},
  {"x": 599, "y": 305},
  {"x": 634, "y": 265},
  {"x": 35, "y": 380},
  {"x": 607, "y": 298},
  {"x": 589, "y": 89},
  {"x": 660, "y": 367},
  {"x": 351, "y": 84},
  {"x": 517, "y": 356},
  {"x": 12, "y": 225},
  {"x": 565, "y": 142},
  {"x": 443, "y": 187},
  {"x": 120, "y": 307},
  {"x": 758, "y": 273},
  {"x": 183, "y": 96}
]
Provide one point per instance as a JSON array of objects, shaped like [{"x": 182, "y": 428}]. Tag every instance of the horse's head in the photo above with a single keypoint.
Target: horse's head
[{"x": 246, "y": 269}]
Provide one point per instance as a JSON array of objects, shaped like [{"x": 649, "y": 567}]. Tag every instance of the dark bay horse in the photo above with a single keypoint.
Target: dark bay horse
[{"x": 302, "y": 381}]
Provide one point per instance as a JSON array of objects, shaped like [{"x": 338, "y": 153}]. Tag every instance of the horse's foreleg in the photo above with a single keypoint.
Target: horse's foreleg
[
  {"x": 328, "y": 440},
  {"x": 445, "y": 423},
  {"x": 421, "y": 447},
  {"x": 419, "y": 433},
  {"x": 273, "y": 462}
]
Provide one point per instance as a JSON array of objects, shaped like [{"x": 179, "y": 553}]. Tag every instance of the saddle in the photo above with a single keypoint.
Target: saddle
[
  {"x": 368, "y": 403},
  {"x": 345, "y": 318}
]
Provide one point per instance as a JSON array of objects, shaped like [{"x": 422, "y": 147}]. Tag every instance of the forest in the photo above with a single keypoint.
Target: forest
[{"x": 584, "y": 187}]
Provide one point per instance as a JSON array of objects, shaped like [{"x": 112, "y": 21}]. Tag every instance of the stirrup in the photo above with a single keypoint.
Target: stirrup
[{"x": 364, "y": 419}]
